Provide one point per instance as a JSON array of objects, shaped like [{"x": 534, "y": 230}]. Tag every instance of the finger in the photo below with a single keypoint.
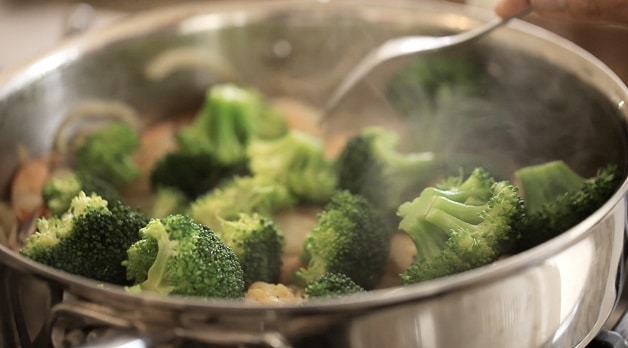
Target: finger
[{"x": 506, "y": 8}]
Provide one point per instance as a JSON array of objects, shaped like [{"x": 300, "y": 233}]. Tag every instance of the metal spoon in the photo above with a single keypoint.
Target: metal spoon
[{"x": 408, "y": 45}]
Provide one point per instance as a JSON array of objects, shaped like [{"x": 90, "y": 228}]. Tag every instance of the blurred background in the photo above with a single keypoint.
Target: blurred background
[{"x": 28, "y": 27}]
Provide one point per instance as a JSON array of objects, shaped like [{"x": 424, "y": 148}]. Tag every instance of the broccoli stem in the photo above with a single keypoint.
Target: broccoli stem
[
  {"x": 545, "y": 182},
  {"x": 451, "y": 215},
  {"x": 165, "y": 250},
  {"x": 442, "y": 209},
  {"x": 428, "y": 245}
]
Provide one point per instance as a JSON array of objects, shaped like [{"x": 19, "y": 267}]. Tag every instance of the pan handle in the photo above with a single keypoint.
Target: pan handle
[{"x": 131, "y": 333}]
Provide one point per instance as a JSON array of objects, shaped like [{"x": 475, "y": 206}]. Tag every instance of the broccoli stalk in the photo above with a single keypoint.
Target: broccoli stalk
[
  {"x": 349, "y": 237},
  {"x": 546, "y": 182},
  {"x": 332, "y": 285},
  {"x": 258, "y": 244},
  {"x": 461, "y": 225},
  {"x": 229, "y": 118},
  {"x": 89, "y": 240},
  {"x": 59, "y": 190},
  {"x": 297, "y": 161},
  {"x": 156, "y": 278},
  {"x": 183, "y": 258},
  {"x": 370, "y": 165},
  {"x": 557, "y": 198},
  {"x": 240, "y": 195},
  {"x": 106, "y": 154}
]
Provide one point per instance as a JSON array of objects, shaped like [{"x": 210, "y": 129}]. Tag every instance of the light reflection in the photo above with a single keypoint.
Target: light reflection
[
  {"x": 134, "y": 344},
  {"x": 51, "y": 62},
  {"x": 213, "y": 21},
  {"x": 574, "y": 265},
  {"x": 427, "y": 328}
]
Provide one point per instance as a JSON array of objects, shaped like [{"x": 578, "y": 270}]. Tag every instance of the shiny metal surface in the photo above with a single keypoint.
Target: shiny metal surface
[{"x": 557, "y": 102}]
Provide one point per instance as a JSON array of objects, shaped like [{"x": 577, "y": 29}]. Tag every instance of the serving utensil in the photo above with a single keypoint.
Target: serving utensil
[{"x": 397, "y": 47}]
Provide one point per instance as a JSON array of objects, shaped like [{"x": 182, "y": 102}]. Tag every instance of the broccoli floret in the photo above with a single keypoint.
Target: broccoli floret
[
  {"x": 89, "y": 240},
  {"x": 140, "y": 256},
  {"x": 460, "y": 225},
  {"x": 168, "y": 201},
  {"x": 193, "y": 173},
  {"x": 296, "y": 160},
  {"x": 183, "y": 258},
  {"x": 557, "y": 198},
  {"x": 258, "y": 244},
  {"x": 449, "y": 104},
  {"x": 240, "y": 195},
  {"x": 370, "y": 165},
  {"x": 229, "y": 118},
  {"x": 272, "y": 124},
  {"x": 426, "y": 78},
  {"x": 59, "y": 190},
  {"x": 332, "y": 285},
  {"x": 106, "y": 154},
  {"x": 349, "y": 237}
]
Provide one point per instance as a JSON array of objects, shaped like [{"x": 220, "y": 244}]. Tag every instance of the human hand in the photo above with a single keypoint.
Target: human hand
[{"x": 603, "y": 11}]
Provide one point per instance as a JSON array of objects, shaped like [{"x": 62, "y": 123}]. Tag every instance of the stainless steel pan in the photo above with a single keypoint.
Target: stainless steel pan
[{"x": 558, "y": 102}]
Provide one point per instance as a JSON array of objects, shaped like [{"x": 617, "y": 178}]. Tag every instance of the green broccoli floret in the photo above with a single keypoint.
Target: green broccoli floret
[
  {"x": 460, "y": 225},
  {"x": 296, "y": 160},
  {"x": 349, "y": 237},
  {"x": 332, "y": 285},
  {"x": 106, "y": 154},
  {"x": 426, "y": 78},
  {"x": 240, "y": 195},
  {"x": 89, "y": 240},
  {"x": 193, "y": 173},
  {"x": 140, "y": 256},
  {"x": 371, "y": 166},
  {"x": 229, "y": 118},
  {"x": 59, "y": 190},
  {"x": 449, "y": 103},
  {"x": 177, "y": 256},
  {"x": 168, "y": 201},
  {"x": 557, "y": 198},
  {"x": 258, "y": 244}
]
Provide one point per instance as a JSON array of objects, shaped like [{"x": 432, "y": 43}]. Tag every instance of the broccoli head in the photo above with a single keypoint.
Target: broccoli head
[
  {"x": 89, "y": 240},
  {"x": 332, "y": 285},
  {"x": 193, "y": 173},
  {"x": 460, "y": 225},
  {"x": 106, "y": 154},
  {"x": 178, "y": 256},
  {"x": 350, "y": 237},
  {"x": 426, "y": 78},
  {"x": 229, "y": 118},
  {"x": 258, "y": 244},
  {"x": 296, "y": 160},
  {"x": 248, "y": 194},
  {"x": 59, "y": 190},
  {"x": 557, "y": 198},
  {"x": 371, "y": 166}
]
